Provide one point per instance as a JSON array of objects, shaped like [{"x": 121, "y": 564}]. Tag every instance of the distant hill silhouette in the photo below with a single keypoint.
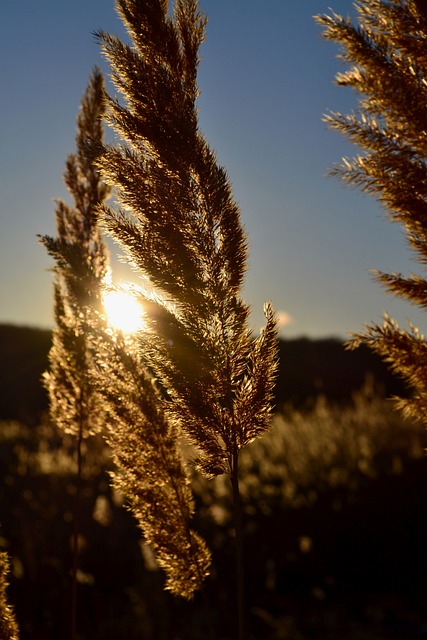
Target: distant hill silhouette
[
  {"x": 307, "y": 367},
  {"x": 23, "y": 358}
]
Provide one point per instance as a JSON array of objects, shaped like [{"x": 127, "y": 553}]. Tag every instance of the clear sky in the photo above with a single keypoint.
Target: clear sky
[{"x": 266, "y": 78}]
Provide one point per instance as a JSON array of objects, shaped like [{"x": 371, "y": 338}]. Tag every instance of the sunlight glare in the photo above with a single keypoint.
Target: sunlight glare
[{"x": 123, "y": 310}]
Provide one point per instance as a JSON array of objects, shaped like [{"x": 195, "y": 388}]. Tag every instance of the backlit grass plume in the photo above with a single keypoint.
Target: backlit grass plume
[
  {"x": 387, "y": 53},
  {"x": 96, "y": 380},
  {"x": 150, "y": 471},
  {"x": 80, "y": 268},
  {"x": 8, "y": 625},
  {"x": 180, "y": 227}
]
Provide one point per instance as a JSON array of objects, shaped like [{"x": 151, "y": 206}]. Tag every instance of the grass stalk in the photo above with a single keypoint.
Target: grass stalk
[
  {"x": 238, "y": 528},
  {"x": 76, "y": 527}
]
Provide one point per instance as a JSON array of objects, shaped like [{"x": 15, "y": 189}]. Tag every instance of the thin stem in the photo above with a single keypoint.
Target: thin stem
[
  {"x": 76, "y": 532},
  {"x": 238, "y": 527},
  {"x": 205, "y": 599},
  {"x": 208, "y": 613}
]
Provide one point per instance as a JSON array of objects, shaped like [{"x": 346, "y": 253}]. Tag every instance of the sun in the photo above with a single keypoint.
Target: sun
[{"x": 123, "y": 311}]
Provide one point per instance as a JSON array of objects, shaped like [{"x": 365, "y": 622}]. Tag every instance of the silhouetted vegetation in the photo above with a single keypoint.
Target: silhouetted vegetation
[{"x": 334, "y": 514}]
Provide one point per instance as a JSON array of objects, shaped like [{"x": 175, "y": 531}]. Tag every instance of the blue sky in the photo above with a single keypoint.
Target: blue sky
[{"x": 266, "y": 78}]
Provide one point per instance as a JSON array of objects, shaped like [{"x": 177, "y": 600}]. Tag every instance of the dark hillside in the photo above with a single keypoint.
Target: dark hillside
[
  {"x": 307, "y": 368},
  {"x": 23, "y": 358}
]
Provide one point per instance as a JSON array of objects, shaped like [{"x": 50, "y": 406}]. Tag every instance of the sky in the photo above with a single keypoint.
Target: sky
[{"x": 266, "y": 79}]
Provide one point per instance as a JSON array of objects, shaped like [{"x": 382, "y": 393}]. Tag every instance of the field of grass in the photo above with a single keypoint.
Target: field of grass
[{"x": 335, "y": 526}]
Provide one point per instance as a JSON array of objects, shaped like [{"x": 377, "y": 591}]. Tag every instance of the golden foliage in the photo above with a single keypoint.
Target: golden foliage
[
  {"x": 81, "y": 263},
  {"x": 96, "y": 381},
  {"x": 179, "y": 225},
  {"x": 387, "y": 66},
  {"x": 8, "y": 626},
  {"x": 150, "y": 471}
]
